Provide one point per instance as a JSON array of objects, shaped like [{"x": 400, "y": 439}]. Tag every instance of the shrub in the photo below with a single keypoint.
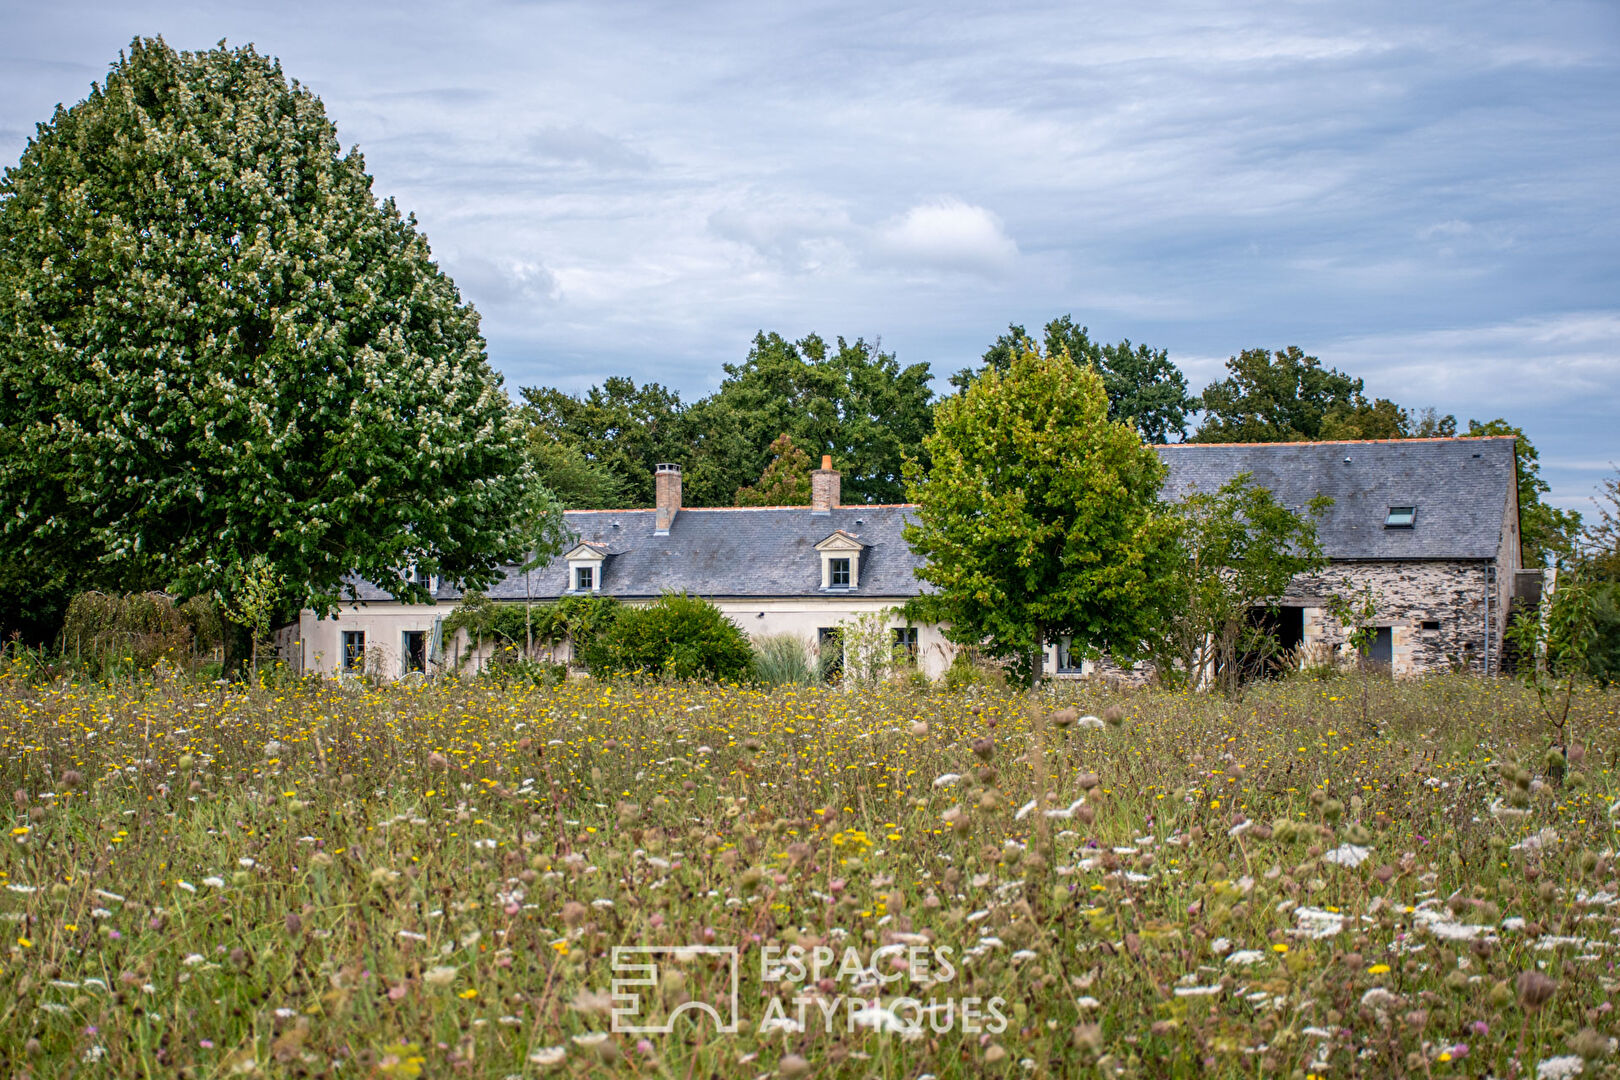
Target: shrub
[
  {"x": 970, "y": 668},
  {"x": 112, "y": 632},
  {"x": 784, "y": 660},
  {"x": 676, "y": 636}
]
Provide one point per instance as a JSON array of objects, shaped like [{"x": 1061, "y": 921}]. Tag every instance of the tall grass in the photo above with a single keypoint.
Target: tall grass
[
  {"x": 785, "y": 660},
  {"x": 377, "y": 881}
]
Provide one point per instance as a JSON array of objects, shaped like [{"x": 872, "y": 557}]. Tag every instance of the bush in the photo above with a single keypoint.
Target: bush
[
  {"x": 107, "y": 633},
  {"x": 505, "y": 624},
  {"x": 970, "y": 668},
  {"x": 784, "y": 660},
  {"x": 676, "y": 636}
]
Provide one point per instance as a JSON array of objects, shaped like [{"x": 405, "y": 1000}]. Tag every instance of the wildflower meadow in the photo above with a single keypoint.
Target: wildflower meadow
[{"x": 442, "y": 879}]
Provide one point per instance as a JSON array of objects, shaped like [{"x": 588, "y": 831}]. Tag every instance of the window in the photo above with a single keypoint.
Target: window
[
  {"x": 1066, "y": 660},
  {"x": 413, "y": 648},
  {"x": 1431, "y": 624},
  {"x": 905, "y": 643},
  {"x": 1400, "y": 517},
  {"x": 584, "y": 578},
  {"x": 830, "y": 646},
  {"x": 838, "y": 573},
  {"x": 354, "y": 650}
]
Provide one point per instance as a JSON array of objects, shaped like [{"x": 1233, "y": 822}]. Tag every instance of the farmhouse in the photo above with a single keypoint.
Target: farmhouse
[{"x": 1431, "y": 525}]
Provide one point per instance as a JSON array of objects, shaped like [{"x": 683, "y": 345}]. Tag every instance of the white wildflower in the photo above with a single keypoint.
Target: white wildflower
[
  {"x": 1559, "y": 1067},
  {"x": 1198, "y": 991},
  {"x": 1245, "y": 957},
  {"x": 1089, "y": 722},
  {"x": 1347, "y": 855},
  {"x": 946, "y": 779},
  {"x": 214, "y": 882},
  {"x": 549, "y": 1055}
]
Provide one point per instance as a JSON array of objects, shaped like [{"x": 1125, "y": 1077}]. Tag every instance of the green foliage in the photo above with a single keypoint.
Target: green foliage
[
  {"x": 507, "y": 624},
  {"x": 620, "y": 429},
  {"x": 676, "y": 636},
  {"x": 1560, "y": 641},
  {"x": 784, "y": 660},
  {"x": 1241, "y": 549},
  {"x": 111, "y": 633},
  {"x": 1143, "y": 386},
  {"x": 1546, "y": 532},
  {"x": 216, "y": 344},
  {"x": 574, "y": 480},
  {"x": 1287, "y": 396},
  {"x": 253, "y": 603},
  {"x": 785, "y": 481},
  {"x": 1600, "y": 540},
  {"x": 854, "y": 402},
  {"x": 1040, "y": 517},
  {"x": 870, "y": 654}
]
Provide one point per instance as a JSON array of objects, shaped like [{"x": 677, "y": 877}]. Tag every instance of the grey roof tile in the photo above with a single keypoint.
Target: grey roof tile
[{"x": 1459, "y": 486}]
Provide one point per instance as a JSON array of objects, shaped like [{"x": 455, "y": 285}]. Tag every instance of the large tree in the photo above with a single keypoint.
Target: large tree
[
  {"x": 221, "y": 357},
  {"x": 1287, "y": 396},
  {"x": 1039, "y": 517},
  {"x": 623, "y": 429},
  {"x": 1546, "y": 532},
  {"x": 851, "y": 400},
  {"x": 1143, "y": 386}
]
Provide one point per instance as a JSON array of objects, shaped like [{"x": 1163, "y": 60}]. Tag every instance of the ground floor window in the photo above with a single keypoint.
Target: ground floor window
[
  {"x": 354, "y": 650},
  {"x": 414, "y": 650},
  {"x": 1066, "y": 660},
  {"x": 905, "y": 643},
  {"x": 830, "y": 645}
]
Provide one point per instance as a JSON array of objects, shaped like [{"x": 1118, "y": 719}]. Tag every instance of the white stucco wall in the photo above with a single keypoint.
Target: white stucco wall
[{"x": 316, "y": 645}]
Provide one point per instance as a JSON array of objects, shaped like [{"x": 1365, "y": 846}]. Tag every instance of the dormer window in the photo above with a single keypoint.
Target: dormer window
[
  {"x": 585, "y": 564},
  {"x": 841, "y": 561},
  {"x": 1400, "y": 517}
]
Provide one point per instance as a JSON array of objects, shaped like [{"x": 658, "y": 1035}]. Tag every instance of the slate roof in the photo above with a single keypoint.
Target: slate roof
[{"x": 1459, "y": 486}]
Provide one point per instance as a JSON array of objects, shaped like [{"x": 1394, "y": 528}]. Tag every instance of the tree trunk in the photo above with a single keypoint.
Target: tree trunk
[{"x": 237, "y": 642}]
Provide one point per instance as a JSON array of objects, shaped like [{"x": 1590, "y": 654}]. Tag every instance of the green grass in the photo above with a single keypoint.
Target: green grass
[{"x": 316, "y": 880}]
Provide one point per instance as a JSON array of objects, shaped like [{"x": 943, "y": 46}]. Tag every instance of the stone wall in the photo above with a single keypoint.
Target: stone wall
[
  {"x": 1449, "y": 596},
  {"x": 1452, "y": 598}
]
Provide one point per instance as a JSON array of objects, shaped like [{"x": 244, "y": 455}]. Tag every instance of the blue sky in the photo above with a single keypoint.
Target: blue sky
[{"x": 1422, "y": 195}]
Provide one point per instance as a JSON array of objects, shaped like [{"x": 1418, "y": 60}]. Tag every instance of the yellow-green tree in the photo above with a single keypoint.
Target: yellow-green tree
[{"x": 1039, "y": 517}]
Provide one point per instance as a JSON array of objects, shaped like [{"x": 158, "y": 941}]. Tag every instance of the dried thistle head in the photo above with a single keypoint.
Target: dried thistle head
[{"x": 1535, "y": 989}]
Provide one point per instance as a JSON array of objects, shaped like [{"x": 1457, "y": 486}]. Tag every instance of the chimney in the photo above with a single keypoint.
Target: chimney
[
  {"x": 826, "y": 485},
  {"x": 667, "y": 486}
]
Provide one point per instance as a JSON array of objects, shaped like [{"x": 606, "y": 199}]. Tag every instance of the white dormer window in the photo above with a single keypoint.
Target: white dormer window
[
  {"x": 585, "y": 563},
  {"x": 840, "y": 561}
]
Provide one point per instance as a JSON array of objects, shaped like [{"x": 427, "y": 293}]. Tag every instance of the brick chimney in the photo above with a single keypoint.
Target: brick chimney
[
  {"x": 667, "y": 486},
  {"x": 826, "y": 487}
]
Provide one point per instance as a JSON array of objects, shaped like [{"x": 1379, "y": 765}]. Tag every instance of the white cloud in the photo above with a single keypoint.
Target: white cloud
[{"x": 948, "y": 234}]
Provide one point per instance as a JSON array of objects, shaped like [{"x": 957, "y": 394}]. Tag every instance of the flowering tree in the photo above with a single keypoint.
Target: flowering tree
[{"x": 220, "y": 352}]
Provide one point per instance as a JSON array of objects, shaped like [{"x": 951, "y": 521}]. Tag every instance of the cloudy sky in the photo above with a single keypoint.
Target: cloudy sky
[{"x": 1421, "y": 194}]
